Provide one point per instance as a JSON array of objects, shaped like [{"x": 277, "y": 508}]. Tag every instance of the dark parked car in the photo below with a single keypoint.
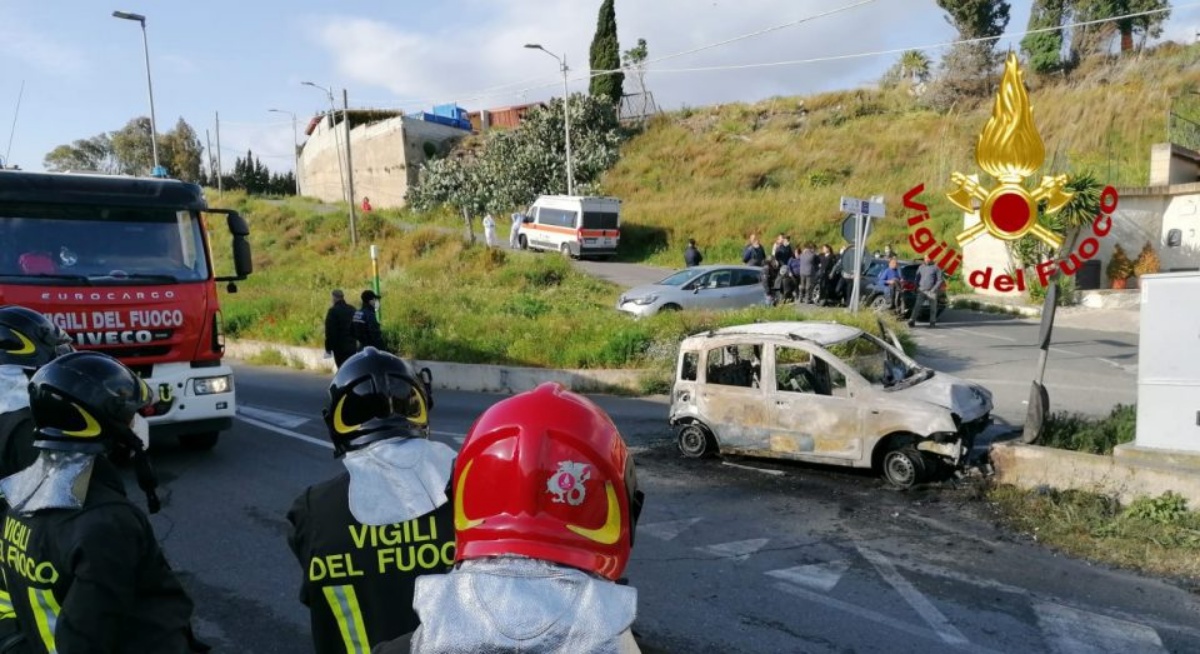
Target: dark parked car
[{"x": 875, "y": 295}]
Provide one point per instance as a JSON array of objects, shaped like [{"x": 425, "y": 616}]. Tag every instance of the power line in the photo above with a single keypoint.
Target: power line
[{"x": 927, "y": 47}]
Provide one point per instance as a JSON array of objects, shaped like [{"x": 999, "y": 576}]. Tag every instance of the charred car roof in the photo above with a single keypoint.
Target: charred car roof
[{"x": 821, "y": 333}]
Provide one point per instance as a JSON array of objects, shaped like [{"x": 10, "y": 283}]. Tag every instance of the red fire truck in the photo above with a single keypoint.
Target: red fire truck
[{"x": 125, "y": 265}]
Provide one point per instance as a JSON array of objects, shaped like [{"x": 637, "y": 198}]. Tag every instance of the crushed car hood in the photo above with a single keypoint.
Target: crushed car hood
[{"x": 966, "y": 400}]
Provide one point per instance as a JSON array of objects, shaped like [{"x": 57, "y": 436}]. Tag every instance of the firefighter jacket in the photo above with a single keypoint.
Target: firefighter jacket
[
  {"x": 359, "y": 579},
  {"x": 16, "y": 454},
  {"x": 93, "y": 579}
]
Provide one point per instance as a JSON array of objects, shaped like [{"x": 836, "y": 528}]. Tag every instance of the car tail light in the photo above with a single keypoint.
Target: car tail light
[
  {"x": 907, "y": 286},
  {"x": 579, "y": 235}
]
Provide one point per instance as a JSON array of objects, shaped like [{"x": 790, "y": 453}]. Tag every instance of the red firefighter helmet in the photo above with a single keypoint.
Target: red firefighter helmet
[{"x": 545, "y": 474}]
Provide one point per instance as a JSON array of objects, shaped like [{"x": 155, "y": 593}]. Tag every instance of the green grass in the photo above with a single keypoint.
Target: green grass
[
  {"x": 446, "y": 300},
  {"x": 1158, "y": 535},
  {"x": 719, "y": 173},
  {"x": 1073, "y": 431}
]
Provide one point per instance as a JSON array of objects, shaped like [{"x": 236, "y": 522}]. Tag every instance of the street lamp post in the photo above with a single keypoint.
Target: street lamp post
[
  {"x": 295, "y": 145},
  {"x": 562, "y": 63},
  {"x": 336, "y": 142},
  {"x": 158, "y": 170}
]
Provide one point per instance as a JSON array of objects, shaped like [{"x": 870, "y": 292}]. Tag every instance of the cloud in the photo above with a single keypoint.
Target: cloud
[
  {"x": 38, "y": 49},
  {"x": 479, "y": 47}
]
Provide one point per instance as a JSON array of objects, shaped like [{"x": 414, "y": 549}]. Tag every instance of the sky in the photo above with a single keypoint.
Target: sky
[{"x": 84, "y": 71}]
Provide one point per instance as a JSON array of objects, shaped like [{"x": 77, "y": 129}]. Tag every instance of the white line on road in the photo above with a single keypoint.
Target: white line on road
[
  {"x": 1053, "y": 386},
  {"x": 458, "y": 438},
  {"x": 739, "y": 550},
  {"x": 284, "y": 419},
  {"x": 285, "y": 432},
  {"x": 971, "y": 332},
  {"x": 921, "y": 604},
  {"x": 766, "y": 470},
  {"x": 818, "y": 576},
  {"x": 1070, "y": 631},
  {"x": 874, "y": 616},
  {"x": 667, "y": 530}
]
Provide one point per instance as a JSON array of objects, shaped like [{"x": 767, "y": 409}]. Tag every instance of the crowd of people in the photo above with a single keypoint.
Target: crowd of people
[
  {"x": 809, "y": 274},
  {"x": 517, "y": 542}
]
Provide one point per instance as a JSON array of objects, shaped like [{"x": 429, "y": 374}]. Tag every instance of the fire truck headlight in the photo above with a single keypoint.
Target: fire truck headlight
[{"x": 212, "y": 385}]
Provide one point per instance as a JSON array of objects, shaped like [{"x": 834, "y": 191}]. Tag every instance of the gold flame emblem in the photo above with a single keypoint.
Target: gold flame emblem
[{"x": 1010, "y": 149}]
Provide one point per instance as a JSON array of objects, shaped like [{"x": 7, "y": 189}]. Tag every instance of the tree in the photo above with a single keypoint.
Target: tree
[
  {"x": 967, "y": 69},
  {"x": 515, "y": 166},
  {"x": 1096, "y": 38},
  {"x": 606, "y": 56},
  {"x": 913, "y": 67},
  {"x": 634, "y": 59},
  {"x": 131, "y": 145},
  {"x": 1044, "y": 49},
  {"x": 93, "y": 155},
  {"x": 184, "y": 150}
]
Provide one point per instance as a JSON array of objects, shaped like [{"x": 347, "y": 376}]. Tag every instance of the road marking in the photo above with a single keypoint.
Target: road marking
[
  {"x": 921, "y": 604},
  {"x": 283, "y": 419},
  {"x": 1071, "y": 631},
  {"x": 667, "y": 530},
  {"x": 738, "y": 550},
  {"x": 285, "y": 432},
  {"x": 994, "y": 337},
  {"x": 874, "y": 616},
  {"x": 738, "y": 465},
  {"x": 1052, "y": 386},
  {"x": 818, "y": 576},
  {"x": 458, "y": 438}
]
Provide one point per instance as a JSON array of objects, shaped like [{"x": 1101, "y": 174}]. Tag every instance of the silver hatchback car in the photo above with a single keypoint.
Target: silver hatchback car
[{"x": 700, "y": 287}]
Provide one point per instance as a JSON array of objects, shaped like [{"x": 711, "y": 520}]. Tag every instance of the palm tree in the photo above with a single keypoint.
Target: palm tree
[{"x": 914, "y": 66}]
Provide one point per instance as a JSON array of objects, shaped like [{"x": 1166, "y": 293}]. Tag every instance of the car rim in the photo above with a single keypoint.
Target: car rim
[
  {"x": 901, "y": 469},
  {"x": 692, "y": 441}
]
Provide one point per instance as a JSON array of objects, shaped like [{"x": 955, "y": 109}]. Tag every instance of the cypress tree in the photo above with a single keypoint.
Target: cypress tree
[
  {"x": 606, "y": 55},
  {"x": 1044, "y": 49}
]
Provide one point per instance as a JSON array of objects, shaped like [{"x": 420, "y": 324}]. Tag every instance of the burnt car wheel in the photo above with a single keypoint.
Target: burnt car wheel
[
  {"x": 695, "y": 442},
  {"x": 904, "y": 467}
]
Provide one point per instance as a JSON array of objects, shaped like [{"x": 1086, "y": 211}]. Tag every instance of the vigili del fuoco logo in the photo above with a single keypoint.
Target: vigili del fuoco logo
[{"x": 1010, "y": 150}]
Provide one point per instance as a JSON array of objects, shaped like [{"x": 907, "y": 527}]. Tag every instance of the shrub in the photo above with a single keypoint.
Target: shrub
[
  {"x": 1119, "y": 266},
  {"x": 1074, "y": 431},
  {"x": 1147, "y": 261},
  {"x": 1066, "y": 292}
]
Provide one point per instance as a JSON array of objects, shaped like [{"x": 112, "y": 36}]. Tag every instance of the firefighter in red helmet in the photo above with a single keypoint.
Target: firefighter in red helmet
[{"x": 545, "y": 505}]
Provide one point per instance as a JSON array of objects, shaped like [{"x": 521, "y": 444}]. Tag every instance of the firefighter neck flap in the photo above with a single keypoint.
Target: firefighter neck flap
[
  {"x": 14, "y": 389},
  {"x": 56, "y": 480},
  {"x": 396, "y": 480}
]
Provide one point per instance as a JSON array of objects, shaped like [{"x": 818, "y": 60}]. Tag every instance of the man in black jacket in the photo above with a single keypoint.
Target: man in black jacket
[
  {"x": 364, "y": 537},
  {"x": 366, "y": 323},
  {"x": 100, "y": 582},
  {"x": 691, "y": 254},
  {"x": 339, "y": 329}
]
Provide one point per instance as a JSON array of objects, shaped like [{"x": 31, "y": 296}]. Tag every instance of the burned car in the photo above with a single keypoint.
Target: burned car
[{"x": 825, "y": 393}]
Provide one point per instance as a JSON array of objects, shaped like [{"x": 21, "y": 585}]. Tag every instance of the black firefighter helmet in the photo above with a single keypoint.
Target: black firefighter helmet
[
  {"x": 377, "y": 395},
  {"x": 28, "y": 339},
  {"x": 86, "y": 402}
]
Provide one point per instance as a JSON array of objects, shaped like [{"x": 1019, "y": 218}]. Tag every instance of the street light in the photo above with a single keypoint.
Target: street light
[
  {"x": 337, "y": 144},
  {"x": 562, "y": 63},
  {"x": 295, "y": 145},
  {"x": 159, "y": 171}
]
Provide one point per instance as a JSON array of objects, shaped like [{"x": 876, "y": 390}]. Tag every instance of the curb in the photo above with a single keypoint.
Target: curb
[
  {"x": 1123, "y": 476},
  {"x": 966, "y": 302},
  {"x": 479, "y": 378}
]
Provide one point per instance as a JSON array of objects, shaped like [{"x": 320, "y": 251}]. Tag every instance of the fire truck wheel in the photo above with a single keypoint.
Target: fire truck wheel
[{"x": 199, "y": 442}]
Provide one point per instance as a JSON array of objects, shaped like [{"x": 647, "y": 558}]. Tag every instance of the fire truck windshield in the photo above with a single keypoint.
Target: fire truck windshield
[{"x": 70, "y": 244}]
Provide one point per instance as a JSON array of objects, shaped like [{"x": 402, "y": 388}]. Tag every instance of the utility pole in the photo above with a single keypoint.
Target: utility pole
[
  {"x": 562, "y": 63},
  {"x": 349, "y": 168},
  {"x": 219, "y": 181}
]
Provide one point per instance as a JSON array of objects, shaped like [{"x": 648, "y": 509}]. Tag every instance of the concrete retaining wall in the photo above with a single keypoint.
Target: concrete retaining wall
[
  {"x": 460, "y": 376},
  {"x": 1126, "y": 478}
]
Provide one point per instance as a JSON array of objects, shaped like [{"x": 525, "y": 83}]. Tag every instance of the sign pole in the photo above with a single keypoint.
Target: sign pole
[
  {"x": 375, "y": 270},
  {"x": 857, "y": 263}
]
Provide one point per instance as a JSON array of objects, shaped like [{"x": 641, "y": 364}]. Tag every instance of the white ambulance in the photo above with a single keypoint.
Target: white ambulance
[{"x": 573, "y": 225}]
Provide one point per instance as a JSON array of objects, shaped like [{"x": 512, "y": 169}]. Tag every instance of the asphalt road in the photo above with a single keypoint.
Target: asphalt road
[{"x": 748, "y": 557}]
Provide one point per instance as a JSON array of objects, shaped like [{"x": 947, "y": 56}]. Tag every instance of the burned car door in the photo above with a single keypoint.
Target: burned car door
[
  {"x": 812, "y": 413},
  {"x": 731, "y": 398}
]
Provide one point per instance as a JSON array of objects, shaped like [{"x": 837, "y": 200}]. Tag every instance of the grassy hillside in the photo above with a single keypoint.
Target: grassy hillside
[
  {"x": 719, "y": 173},
  {"x": 444, "y": 299}
]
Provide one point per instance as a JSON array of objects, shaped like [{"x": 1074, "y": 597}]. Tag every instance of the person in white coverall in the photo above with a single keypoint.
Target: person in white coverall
[
  {"x": 545, "y": 507},
  {"x": 489, "y": 230},
  {"x": 514, "y": 237}
]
